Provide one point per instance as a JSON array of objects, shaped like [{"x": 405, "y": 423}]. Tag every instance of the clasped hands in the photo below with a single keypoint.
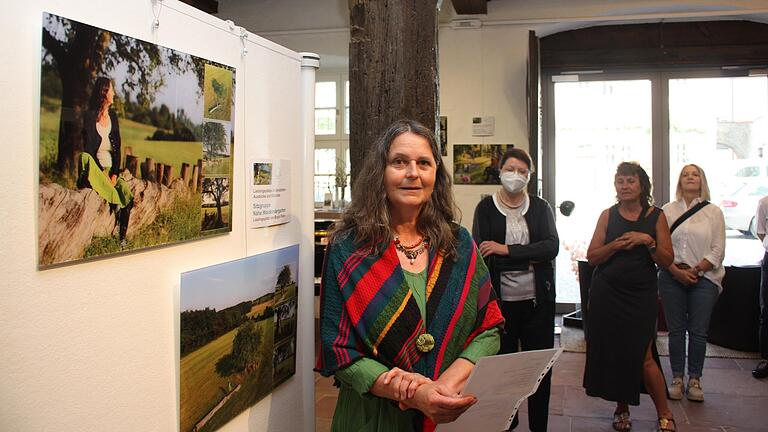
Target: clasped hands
[
  {"x": 685, "y": 276},
  {"x": 632, "y": 239},
  {"x": 433, "y": 398}
]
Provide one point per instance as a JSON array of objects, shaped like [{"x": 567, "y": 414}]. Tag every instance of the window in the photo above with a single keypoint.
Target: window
[
  {"x": 331, "y": 139},
  {"x": 325, "y": 108}
]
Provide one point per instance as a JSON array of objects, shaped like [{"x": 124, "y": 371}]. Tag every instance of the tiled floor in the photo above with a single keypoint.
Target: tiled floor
[{"x": 734, "y": 401}]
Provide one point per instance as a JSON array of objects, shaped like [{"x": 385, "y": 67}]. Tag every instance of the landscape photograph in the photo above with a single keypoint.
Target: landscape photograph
[
  {"x": 123, "y": 142},
  {"x": 237, "y": 336},
  {"x": 477, "y": 163}
]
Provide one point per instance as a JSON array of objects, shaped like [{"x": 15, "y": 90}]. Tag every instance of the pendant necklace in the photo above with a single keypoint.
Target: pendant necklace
[{"x": 414, "y": 250}]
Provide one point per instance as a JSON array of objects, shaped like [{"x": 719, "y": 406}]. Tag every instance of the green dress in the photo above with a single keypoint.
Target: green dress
[{"x": 358, "y": 410}]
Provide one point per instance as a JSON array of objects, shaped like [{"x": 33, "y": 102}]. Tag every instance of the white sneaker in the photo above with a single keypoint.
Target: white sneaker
[
  {"x": 695, "y": 393},
  {"x": 676, "y": 389}
]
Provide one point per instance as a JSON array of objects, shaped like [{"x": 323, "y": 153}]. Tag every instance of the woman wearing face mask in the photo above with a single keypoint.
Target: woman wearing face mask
[{"x": 517, "y": 236}]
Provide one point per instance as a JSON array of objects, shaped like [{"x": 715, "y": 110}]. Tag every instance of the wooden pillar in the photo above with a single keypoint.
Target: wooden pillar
[{"x": 392, "y": 69}]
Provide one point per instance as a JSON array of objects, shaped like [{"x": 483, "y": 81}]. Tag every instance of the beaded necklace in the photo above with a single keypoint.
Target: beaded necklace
[{"x": 414, "y": 250}]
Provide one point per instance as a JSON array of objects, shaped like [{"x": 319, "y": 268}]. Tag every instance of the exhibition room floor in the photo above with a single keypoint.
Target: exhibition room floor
[{"x": 734, "y": 400}]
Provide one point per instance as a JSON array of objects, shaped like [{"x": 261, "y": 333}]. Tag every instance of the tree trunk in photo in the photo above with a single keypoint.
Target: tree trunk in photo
[
  {"x": 77, "y": 65},
  {"x": 392, "y": 69}
]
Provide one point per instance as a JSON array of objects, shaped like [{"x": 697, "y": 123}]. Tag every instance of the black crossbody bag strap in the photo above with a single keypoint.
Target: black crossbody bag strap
[{"x": 690, "y": 212}]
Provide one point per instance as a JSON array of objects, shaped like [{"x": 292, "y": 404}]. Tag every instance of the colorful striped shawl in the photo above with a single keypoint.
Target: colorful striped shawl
[{"x": 367, "y": 308}]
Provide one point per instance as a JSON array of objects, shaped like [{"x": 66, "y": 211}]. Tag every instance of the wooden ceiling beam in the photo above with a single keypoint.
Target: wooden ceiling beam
[
  {"x": 470, "y": 7},
  {"x": 209, "y": 6}
]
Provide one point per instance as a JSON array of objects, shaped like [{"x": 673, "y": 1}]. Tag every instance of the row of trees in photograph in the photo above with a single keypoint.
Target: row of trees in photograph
[{"x": 200, "y": 327}]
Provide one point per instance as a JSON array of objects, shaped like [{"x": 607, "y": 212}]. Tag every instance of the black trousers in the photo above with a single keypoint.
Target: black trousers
[{"x": 530, "y": 326}]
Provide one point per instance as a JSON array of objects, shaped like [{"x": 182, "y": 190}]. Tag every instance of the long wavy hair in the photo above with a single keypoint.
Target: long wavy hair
[
  {"x": 99, "y": 94},
  {"x": 634, "y": 168},
  {"x": 367, "y": 217},
  {"x": 703, "y": 192}
]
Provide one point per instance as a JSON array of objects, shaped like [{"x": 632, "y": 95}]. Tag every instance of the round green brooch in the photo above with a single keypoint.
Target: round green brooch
[{"x": 425, "y": 342}]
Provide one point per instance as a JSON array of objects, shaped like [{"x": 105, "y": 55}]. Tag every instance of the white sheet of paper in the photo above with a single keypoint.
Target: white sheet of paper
[{"x": 501, "y": 383}]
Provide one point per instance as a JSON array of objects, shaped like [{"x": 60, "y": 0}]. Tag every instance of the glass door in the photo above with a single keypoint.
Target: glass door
[
  {"x": 721, "y": 124},
  {"x": 598, "y": 123},
  {"x": 663, "y": 120}
]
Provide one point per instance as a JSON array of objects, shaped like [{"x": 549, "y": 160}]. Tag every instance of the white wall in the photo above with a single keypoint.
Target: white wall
[{"x": 94, "y": 346}]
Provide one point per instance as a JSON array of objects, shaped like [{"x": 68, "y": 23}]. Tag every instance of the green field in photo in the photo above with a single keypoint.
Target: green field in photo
[
  {"x": 284, "y": 294},
  {"x": 218, "y": 167},
  {"x": 217, "y": 93},
  {"x": 202, "y": 388},
  {"x": 133, "y": 135}
]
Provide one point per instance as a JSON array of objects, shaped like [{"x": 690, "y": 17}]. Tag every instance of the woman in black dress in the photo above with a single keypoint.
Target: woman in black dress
[{"x": 630, "y": 238}]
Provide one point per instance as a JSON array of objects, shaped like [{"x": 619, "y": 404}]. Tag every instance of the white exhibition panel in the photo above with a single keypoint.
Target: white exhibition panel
[{"x": 93, "y": 346}]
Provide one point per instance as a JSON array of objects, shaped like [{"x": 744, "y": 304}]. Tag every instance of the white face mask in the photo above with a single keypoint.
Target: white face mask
[{"x": 513, "y": 182}]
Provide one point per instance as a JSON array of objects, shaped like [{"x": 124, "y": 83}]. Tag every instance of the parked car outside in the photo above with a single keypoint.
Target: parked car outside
[{"x": 739, "y": 207}]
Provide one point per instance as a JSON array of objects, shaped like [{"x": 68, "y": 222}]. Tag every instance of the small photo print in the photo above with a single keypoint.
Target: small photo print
[
  {"x": 217, "y": 149},
  {"x": 218, "y": 93},
  {"x": 262, "y": 174},
  {"x": 443, "y": 135},
  {"x": 216, "y": 212},
  {"x": 475, "y": 164}
]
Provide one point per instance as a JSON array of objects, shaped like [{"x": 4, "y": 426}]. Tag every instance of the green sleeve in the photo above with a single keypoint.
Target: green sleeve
[
  {"x": 485, "y": 344},
  {"x": 361, "y": 374}
]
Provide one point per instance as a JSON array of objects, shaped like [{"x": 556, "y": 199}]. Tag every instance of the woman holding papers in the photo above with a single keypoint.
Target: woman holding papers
[
  {"x": 630, "y": 239},
  {"x": 516, "y": 235},
  {"x": 406, "y": 304}
]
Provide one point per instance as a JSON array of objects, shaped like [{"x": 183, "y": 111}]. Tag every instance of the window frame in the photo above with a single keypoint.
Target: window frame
[{"x": 340, "y": 140}]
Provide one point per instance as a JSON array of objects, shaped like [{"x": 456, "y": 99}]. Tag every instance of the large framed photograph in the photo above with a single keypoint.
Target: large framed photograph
[
  {"x": 237, "y": 336},
  {"x": 476, "y": 164},
  {"x": 135, "y": 144}
]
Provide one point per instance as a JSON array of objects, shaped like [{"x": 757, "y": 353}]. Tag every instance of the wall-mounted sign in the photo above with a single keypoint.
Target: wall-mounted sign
[
  {"x": 483, "y": 126},
  {"x": 270, "y": 202}
]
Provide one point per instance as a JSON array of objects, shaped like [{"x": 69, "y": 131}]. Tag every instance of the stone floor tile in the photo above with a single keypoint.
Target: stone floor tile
[
  {"x": 728, "y": 410},
  {"x": 591, "y": 424}
]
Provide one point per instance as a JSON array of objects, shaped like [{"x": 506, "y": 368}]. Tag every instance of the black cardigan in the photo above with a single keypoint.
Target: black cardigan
[
  {"x": 490, "y": 224},
  {"x": 93, "y": 139}
]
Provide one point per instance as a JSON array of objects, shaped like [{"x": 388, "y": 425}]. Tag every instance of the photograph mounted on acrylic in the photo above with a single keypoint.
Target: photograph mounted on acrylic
[
  {"x": 237, "y": 336},
  {"x": 135, "y": 144},
  {"x": 477, "y": 164}
]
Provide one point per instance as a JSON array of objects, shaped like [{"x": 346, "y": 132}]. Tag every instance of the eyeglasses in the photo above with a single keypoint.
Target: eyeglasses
[{"x": 522, "y": 171}]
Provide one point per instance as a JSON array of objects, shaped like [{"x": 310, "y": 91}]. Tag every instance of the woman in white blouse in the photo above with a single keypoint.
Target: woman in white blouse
[{"x": 690, "y": 286}]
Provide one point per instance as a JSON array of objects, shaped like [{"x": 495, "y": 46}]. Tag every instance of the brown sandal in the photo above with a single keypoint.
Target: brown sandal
[
  {"x": 621, "y": 421},
  {"x": 667, "y": 425}
]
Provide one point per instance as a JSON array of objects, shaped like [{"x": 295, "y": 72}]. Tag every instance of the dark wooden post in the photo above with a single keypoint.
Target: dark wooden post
[
  {"x": 159, "y": 171},
  {"x": 185, "y": 173},
  {"x": 149, "y": 166},
  {"x": 131, "y": 164},
  {"x": 195, "y": 176},
  {"x": 392, "y": 69},
  {"x": 167, "y": 175}
]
